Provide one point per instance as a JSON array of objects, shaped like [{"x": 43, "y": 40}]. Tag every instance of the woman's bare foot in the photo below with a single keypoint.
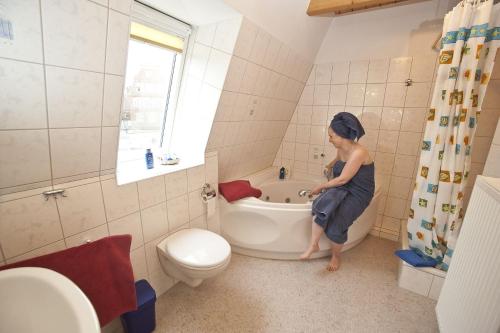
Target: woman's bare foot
[
  {"x": 309, "y": 252},
  {"x": 334, "y": 264}
]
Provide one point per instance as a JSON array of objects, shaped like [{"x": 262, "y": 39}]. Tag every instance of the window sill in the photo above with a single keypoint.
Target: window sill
[{"x": 134, "y": 171}]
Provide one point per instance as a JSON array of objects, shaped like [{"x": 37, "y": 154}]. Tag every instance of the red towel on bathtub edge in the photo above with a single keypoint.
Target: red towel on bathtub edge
[
  {"x": 238, "y": 189},
  {"x": 101, "y": 269}
]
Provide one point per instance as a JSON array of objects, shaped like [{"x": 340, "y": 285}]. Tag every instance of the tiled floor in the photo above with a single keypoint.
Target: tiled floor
[{"x": 257, "y": 295}]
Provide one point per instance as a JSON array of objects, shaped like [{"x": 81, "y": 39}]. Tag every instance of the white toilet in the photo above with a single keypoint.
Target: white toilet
[{"x": 192, "y": 255}]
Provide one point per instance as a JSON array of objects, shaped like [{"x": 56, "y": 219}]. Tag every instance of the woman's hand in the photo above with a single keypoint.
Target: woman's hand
[{"x": 317, "y": 189}]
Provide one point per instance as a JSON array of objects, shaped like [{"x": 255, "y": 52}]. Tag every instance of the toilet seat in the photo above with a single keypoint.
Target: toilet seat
[{"x": 197, "y": 249}]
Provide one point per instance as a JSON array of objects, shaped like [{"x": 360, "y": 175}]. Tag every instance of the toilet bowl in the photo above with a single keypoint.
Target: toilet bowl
[{"x": 193, "y": 255}]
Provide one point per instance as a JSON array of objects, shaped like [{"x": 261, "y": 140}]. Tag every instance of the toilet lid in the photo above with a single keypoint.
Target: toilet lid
[{"x": 197, "y": 248}]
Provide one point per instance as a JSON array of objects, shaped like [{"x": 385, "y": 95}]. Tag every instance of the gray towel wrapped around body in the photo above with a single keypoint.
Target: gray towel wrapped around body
[{"x": 336, "y": 209}]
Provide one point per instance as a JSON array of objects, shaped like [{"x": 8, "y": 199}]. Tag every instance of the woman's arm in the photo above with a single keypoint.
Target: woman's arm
[{"x": 350, "y": 169}]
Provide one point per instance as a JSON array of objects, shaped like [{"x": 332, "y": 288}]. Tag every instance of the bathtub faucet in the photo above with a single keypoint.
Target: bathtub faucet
[{"x": 303, "y": 193}]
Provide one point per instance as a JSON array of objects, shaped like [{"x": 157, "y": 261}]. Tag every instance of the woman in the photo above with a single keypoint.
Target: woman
[{"x": 348, "y": 194}]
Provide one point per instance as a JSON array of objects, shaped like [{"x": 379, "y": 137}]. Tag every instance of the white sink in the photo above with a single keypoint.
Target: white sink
[{"x": 39, "y": 300}]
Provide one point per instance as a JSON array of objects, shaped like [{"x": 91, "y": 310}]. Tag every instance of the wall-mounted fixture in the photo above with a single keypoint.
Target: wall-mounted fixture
[
  {"x": 54, "y": 193},
  {"x": 408, "y": 82}
]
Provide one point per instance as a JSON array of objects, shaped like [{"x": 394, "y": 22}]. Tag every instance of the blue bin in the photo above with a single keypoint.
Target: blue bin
[{"x": 143, "y": 319}]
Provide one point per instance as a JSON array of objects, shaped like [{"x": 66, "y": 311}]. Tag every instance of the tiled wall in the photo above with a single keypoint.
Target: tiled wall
[
  {"x": 489, "y": 123},
  {"x": 62, "y": 82},
  {"x": 492, "y": 166},
  {"x": 260, "y": 93},
  {"x": 62, "y": 88},
  {"x": 96, "y": 207},
  {"x": 393, "y": 116}
]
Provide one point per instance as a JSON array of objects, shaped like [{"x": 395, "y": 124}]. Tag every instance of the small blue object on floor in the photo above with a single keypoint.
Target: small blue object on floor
[
  {"x": 416, "y": 259},
  {"x": 143, "y": 319}
]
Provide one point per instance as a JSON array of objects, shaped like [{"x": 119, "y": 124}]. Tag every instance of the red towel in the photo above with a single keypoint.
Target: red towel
[
  {"x": 238, "y": 189},
  {"x": 101, "y": 269}
]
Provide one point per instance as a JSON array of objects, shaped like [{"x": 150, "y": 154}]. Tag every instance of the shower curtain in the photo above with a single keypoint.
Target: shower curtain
[{"x": 469, "y": 43}]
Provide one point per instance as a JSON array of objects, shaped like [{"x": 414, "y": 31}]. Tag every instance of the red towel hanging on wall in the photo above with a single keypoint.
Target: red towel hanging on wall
[{"x": 101, "y": 269}]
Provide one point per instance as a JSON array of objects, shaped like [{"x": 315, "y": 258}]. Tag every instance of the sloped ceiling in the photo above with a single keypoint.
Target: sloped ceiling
[{"x": 286, "y": 20}]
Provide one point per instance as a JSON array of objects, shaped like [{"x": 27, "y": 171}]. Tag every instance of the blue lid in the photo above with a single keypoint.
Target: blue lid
[{"x": 144, "y": 292}]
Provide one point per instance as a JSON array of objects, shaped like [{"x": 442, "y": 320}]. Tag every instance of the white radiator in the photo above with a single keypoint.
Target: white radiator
[{"x": 470, "y": 298}]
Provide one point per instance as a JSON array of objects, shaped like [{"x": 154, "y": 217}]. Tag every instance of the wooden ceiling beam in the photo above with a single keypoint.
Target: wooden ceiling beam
[{"x": 321, "y": 7}]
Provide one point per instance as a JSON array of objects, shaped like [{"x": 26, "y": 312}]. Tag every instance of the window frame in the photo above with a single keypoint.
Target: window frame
[{"x": 155, "y": 19}]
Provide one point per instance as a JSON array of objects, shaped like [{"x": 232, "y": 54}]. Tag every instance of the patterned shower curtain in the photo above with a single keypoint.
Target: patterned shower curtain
[{"x": 471, "y": 34}]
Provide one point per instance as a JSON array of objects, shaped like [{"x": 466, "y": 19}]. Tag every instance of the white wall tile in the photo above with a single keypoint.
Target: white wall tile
[
  {"x": 24, "y": 157},
  {"x": 51, "y": 248},
  {"x": 371, "y": 117},
  {"x": 139, "y": 266},
  {"x": 246, "y": 39},
  {"x": 128, "y": 225},
  {"x": 82, "y": 209},
  {"x": 32, "y": 223},
  {"x": 395, "y": 207},
  {"x": 249, "y": 78},
  {"x": 358, "y": 71},
  {"x": 414, "y": 119},
  {"x": 218, "y": 65},
  {"x": 205, "y": 34},
  {"x": 340, "y": 72},
  {"x": 151, "y": 191},
  {"x": 321, "y": 94},
  {"x": 422, "y": 68},
  {"x": 74, "y": 151},
  {"x": 395, "y": 94},
  {"x": 22, "y": 108},
  {"x": 109, "y": 147},
  {"x": 492, "y": 97},
  {"x": 176, "y": 184},
  {"x": 195, "y": 177},
  {"x": 88, "y": 235},
  {"x": 112, "y": 100},
  {"x": 198, "y": 61},
  {"x": 387, "y": 141},
  {"x": 260, "y": 47},
  {"x": 399, "y": 69},
  {"x": 378, "y": 70},
  {"x": 323, "y": 74},
  {"x": 399, "y": 188},
  {"x": 119, "y": 200},
  {"x": 226, "y": 35},
  {"x": 409, "y": 143},
  {"x": 418, "y": 95},
  {"x": 121, "y": 5},
  {"x": 355, "y": 94},
  {"x": 196, "y": 205},
  {"x": 404, "y": 165},
  {"x": 178, "y": 212},
  {"x": 374, "y": 95},
  {"x": 117, "y": 42},
  {"x": 235, "y": 74},
  {"x": 338, "y": 93},
  {"x": 271, "y": 53},
  {"x": 74, "y": 34},
  {"x": 391, "y": 119},
  {"x": 154, "y": 221},
  {"x": 319, "y": 115},
  {"x": 74, "y": 97},
  {"x": 27, "y": 42},
  {"x": 492, "y": 165}
]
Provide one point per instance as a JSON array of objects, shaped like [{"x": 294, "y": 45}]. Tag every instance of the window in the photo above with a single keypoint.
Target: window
[{"x": 156, "y": 50}]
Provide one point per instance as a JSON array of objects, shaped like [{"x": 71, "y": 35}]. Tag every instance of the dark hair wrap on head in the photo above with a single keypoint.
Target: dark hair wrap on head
[{"x": 346, "y": 125}]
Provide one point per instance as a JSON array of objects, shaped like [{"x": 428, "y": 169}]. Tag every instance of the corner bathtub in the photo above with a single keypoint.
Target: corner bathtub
[{"x": 278, "y": 225}]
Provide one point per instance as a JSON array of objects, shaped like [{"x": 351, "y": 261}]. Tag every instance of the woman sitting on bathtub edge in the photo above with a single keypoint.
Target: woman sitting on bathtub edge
[{"x": 347, "y": 195}]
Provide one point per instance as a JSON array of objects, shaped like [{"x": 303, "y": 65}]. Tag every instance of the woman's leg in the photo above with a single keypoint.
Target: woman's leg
[
  {"x": 335, "y": 261},
  {"x": 316, "y": 232}
]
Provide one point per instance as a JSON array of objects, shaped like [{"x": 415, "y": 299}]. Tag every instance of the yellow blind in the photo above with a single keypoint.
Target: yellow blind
[{"x": 153, "y": 36}]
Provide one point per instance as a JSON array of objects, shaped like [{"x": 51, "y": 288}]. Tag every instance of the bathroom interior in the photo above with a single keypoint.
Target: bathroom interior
[{"x": 122, "y": 120}]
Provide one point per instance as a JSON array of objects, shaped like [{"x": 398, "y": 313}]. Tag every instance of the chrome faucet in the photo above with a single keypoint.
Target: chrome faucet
[{"x": 303, "y": 193}]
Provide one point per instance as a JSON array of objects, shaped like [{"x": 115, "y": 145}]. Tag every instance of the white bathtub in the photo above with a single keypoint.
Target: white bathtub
[{"x": 275, "y": 229}]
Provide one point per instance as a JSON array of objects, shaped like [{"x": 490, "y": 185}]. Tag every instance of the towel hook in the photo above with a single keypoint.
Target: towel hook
[{"x": 54, "y": 193}]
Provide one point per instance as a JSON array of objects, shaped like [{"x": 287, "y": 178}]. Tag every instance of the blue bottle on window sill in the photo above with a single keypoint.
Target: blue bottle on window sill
[{"x": 149, "y": 159}]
